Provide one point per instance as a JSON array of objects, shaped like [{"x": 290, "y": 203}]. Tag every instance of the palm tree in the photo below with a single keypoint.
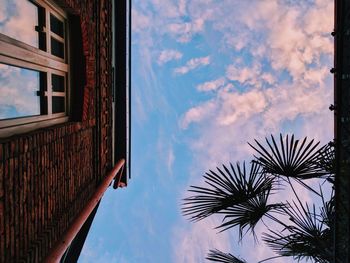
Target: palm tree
[{"x": 243, "y": 198}]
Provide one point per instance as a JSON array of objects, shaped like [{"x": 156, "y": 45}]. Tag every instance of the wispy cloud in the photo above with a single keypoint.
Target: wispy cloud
[
  {"x": 168, "y": 55},
  {"x": 193, "y": 64},
  {"x": 165, "y": 155}
]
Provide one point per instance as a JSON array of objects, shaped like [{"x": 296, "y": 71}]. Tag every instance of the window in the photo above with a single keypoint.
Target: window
[{"x": 34, "y": 66}]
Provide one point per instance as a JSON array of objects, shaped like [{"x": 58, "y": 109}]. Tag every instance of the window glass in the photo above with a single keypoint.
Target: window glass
[
  {"x": 57, "y": 48},
  {"x": 57, "y": 83},
  {"x": 56, "y": 25},
  {"x": 22, "y": 87},
  {"x": 18, "y": 20},
  {"x": 57, "y": 104}
]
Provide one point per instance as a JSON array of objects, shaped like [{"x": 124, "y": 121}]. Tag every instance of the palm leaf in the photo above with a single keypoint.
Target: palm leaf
[
  {"x": 327, "y": 215},
  {"x": 248, "y": 214},
  {"x": 291, "y": 158},
  {"x": 326, "y": 160},
  {"x": 225, "y": 188},
  {"x": 218, "y": 256},
  {"x": 307, "y": 237}
]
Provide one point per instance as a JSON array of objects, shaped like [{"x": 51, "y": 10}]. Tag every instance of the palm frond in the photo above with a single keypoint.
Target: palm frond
[
  {"x": 307, "y": 237},
  {"x": 218, "y": 256},
  {"x": 327, "y": 214},
  {"x": 291, "y": 158},
  {"x": 225, "y": 188},
  {"x": 247, "y": 214},
  {"x": 326, "y": 160}
]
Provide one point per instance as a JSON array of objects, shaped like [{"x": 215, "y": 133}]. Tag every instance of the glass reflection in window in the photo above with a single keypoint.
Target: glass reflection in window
[
  {"x": 19, "y": 21},
  {"x": 19, "y": 89}
]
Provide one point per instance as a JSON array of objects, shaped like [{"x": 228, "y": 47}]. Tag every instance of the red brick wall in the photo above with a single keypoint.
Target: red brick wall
[{"x": 47, "y": 175}]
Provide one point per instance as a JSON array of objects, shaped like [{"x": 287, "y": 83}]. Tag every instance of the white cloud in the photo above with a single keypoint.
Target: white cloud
[
  {"x": 197, "y": 114},
  {"x": 235, "y": 106},
  {"x": 212, "y": 85},
  {"x": 249, "y": 75},
  {"x": 168, "y": 55},
  {"x": 193, "y": 64}
]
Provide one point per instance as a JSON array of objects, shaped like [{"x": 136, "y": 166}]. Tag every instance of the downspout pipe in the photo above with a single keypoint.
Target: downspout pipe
[{"x": 61, "y": 246}]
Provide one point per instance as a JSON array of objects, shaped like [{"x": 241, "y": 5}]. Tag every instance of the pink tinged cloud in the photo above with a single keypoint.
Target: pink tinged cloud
[
  {"x": 192, "y": 64},
  {"x": 197, "y": 114},
  {"x": 140, "y": 21},
  {"x": 211, "y": 85},
  {"x": 169, "y": 55},
  {"x": 235, "y": 106},
  {"x": 184, "y": 31},
  {"x": 192, "y": 243}
]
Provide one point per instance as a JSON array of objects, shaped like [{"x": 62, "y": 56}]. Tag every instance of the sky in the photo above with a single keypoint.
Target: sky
[
  {"x": 207, "y": 77},
  {"x": 18, "y": 18}
]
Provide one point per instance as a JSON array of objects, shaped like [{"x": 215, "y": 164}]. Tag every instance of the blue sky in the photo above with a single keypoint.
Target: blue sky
[{"x": 207, "y": 77}]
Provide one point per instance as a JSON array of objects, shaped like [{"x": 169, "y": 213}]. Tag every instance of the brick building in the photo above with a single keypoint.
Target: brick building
[{"x": 64, "y": 84}]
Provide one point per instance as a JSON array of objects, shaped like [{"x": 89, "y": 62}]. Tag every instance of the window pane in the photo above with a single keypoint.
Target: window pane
[
  {"x": 19, "y": 21},
  {"x": 57, "y": 48},
  {"x": 58, "y": 104},
  {"x": 57, "y": 83},
  {"x": 19, "y": 89},
  {"x": 56, "y": 25}
]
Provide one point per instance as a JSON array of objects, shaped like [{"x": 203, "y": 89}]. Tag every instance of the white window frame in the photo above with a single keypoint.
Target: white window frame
[{"x": 16, "y": 53}]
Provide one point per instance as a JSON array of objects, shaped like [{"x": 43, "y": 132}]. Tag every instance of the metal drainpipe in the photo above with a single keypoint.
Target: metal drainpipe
[{"x": 61, "y": 246}]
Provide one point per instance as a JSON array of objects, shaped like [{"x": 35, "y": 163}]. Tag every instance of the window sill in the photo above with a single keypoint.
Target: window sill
[{"x": 28, "y": 127}]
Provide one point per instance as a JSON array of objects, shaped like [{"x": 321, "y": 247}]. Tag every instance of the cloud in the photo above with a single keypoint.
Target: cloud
[
  {"x": 19, "y": 21},
  {"x": 140, "y": 21},
  {"x": 287, "y": 59},
  {"x": 18, "y": 100},
  {"x": 191, "y": 244},
  {"x": 211, "y": 85},
  {"x": 168, "y": 55},
  {"x": 165, "y": 153},
  {"x": 184, "y": 31},
  {"x": 94, "y": 251},
  {"x": 235, "y": 106},
  {"x": 182, "y": 7},
  {"x": 193, "y": 64},
  {"x": 197, "y": 114}
]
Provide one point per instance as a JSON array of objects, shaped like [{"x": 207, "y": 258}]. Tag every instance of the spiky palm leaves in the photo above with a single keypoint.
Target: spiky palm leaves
[
  {"x": 306, "y": 236},
  {"x": 243, "y": 198},
  {"x": 218, "y": 256},
  {"x": 226, "y": 189},
  {"x": 290, "y": 158},
  {"x": 248, "y": 214}
]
